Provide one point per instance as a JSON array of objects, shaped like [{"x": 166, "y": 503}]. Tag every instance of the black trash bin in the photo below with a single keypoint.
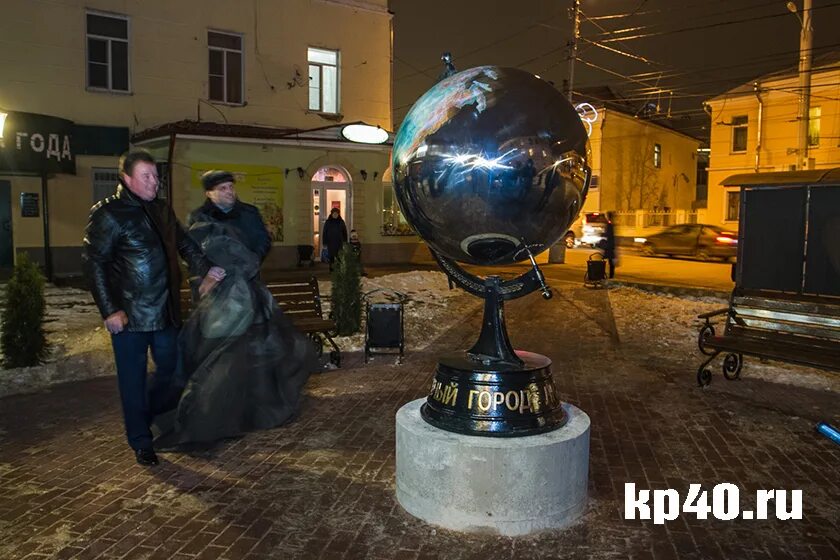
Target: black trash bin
[
  {"x": 305, "y": 253},
  {"x": 384, "y": 324},
  {"x": 596, "y": 271}
]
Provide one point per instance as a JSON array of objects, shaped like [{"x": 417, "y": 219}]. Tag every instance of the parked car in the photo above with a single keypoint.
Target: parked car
[
  {"x": 702, "y": 241},
  {"x": 588, "y": 229}
]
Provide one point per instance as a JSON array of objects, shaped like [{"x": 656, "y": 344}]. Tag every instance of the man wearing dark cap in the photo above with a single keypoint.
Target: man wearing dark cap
[
  {"x": 131, "y": 249},
  {"x": 222, "y": 206}
]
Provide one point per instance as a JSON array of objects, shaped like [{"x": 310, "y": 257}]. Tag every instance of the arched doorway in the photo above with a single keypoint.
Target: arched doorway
[{"x": 330, "y": 189}]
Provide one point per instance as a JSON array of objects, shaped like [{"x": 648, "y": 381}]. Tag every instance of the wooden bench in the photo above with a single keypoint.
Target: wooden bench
[
  {"x": 300, "y": 301},
  {"x": 797, "y": 329}
]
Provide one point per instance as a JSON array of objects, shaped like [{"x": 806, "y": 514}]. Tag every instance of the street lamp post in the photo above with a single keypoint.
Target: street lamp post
[{"x": 805, "y": 41}]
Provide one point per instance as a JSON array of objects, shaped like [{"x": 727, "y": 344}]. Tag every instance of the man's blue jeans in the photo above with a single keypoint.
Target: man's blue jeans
[{"x": 131, "y": 356}]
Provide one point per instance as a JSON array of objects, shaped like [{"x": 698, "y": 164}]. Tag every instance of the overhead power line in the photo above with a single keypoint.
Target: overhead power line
[{"x": 610, "y": 37}]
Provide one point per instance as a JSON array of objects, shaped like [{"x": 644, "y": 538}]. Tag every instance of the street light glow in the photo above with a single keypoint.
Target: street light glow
[{"x": 365, "y": 134}]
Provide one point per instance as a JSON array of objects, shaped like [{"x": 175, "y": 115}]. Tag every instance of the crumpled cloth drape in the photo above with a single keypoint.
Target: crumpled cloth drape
[{"x": 244, "y": 364}]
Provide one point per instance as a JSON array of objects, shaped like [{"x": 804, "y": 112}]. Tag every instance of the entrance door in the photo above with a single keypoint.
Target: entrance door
[
  {"x": 330, "y": 189},
  {"x": 6, "y": 252}
]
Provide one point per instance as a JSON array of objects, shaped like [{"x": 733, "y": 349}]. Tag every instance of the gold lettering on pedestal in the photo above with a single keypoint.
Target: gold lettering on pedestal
[
  {"x": 530, "y": 400},
  {"x": 444, "y": 394},
  {"x": 512, "y": 406},
  {"x": 484, "y": 407}
]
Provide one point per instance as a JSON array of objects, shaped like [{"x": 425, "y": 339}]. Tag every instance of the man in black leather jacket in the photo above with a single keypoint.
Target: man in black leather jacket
[
  {"x": 131, "y": 248},
  {"x": 223, "y": 206}
]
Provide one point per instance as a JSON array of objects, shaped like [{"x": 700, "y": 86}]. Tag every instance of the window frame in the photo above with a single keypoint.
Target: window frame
[
  {"x": 94, "y": 182},
  {"x": 108, "y": 40},
  {"x": 224, "y": 76},
  {"x": 321, "y": 65},
  {"x": 657, "y": 156},
  {"x": 737, "y": 127},
  {"x": 811, "y": 120},
  {"x": 727, "y": 217}
]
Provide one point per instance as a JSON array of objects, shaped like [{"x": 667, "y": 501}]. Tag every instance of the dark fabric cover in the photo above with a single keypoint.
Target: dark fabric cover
[
  {"x": 244, "y": 218},
  {"x": 130, "y": 258},
  {"x": 245, "y": 365}
]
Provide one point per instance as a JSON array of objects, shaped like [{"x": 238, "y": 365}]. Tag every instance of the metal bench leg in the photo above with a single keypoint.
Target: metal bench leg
[
  {"x": 707, "y": 331},
  {"x": 335, "y": 355},
  {"x": 704, "y": 374},
  {"x": 732, "y": 364}
]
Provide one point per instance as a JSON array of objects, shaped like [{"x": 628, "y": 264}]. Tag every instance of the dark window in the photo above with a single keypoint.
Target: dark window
[
  {"x": 107, "y": 52},
  {"x": 739, "y": 133},
  {"x": 225, "y": 71},
  {"x": 733, "y": 205}
]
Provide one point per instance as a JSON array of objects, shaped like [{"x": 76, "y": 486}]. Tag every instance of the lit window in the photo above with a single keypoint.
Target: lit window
[
  {"x": 814, "y": 126},
  {"x": 323, "y": 80},
  {"x": 107, "y": 52},
  {"x": 393, "y": 221},
  {"x": 657, "y": 155},
  {"x": 225, "y": 67},
  {"x": 739, "y": 133},
  {"x": 733, "y": 205}
]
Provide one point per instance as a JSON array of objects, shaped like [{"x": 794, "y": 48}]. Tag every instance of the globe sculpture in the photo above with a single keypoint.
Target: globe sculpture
[{"x": 490, "y": 167}]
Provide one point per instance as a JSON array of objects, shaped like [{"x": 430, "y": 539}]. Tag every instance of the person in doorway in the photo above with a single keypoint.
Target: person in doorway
[
  {"x": 245, "y": 364},
  {"x": 334, "y": 235},
  {"x": 130, "y": 253},
  {"x": 609, "y": 245}
]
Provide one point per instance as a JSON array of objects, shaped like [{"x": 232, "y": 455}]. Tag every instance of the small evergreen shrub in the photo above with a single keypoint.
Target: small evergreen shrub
[
  {"x": 23, "y": 341},
  {"x": 346, "y": 302}
]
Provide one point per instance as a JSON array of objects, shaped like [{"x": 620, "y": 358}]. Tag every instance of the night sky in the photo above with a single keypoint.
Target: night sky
[{"x": 697, "y": 49}]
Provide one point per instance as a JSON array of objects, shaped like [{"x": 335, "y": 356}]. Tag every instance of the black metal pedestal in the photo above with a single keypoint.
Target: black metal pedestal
[{"x": 494, "y": 390}]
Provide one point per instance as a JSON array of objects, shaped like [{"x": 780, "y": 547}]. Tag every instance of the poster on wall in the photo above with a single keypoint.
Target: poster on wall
[{"x": 259, "y": 185}]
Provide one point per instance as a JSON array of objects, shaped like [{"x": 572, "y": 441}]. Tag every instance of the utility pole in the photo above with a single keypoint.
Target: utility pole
[
  {"x": 805, "y": 41},
  {"x": 575, "y": 14}
]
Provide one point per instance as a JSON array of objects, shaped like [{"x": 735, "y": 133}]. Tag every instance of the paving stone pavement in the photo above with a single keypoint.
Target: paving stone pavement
[{"x": 323, "y": 486}]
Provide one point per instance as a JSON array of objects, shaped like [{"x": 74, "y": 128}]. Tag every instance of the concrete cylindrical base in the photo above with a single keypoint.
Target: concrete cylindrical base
[{"x": 510, "y": 486}]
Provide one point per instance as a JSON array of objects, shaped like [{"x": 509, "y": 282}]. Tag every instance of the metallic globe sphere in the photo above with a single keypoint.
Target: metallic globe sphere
[{"x": 489, "y": 162}]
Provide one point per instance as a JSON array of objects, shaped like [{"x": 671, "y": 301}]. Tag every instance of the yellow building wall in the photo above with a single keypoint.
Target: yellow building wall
[
  {"x": 777, "y": 150},
  {"x": 43, "y": 60},
  {"x": 43, "y": 64},
  {"x": 629, "y": 180}
]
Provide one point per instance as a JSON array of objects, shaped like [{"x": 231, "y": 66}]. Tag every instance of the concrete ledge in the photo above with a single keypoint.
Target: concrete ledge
[{"x": 507, "y": 486}]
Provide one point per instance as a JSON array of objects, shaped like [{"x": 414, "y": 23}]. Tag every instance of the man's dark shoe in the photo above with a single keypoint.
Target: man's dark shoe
[{"x": 146, "y": 457}]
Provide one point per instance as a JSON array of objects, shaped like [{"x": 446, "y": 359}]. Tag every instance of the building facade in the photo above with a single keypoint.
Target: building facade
[
  {"x": 639, "y": 168},
  {"x": 261, "y": 88},
  {"x": 754, "y": 128}
]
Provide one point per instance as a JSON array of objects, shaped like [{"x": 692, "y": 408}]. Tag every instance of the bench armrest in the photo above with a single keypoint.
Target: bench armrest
[{"x": 714, "y": 313}]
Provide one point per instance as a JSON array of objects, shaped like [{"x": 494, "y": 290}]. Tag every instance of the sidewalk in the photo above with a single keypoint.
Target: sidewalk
[{"x": 323, "y": 487}]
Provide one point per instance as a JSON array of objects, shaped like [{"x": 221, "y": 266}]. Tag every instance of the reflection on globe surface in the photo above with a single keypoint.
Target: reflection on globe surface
[{"x": 489, "y": 161}]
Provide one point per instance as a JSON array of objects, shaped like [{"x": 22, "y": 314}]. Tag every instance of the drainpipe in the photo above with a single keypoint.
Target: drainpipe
[
  {"x": 170, "y": 164},
  {"x": 757, "y": 91},
  {"x": 45, "y": 207}
]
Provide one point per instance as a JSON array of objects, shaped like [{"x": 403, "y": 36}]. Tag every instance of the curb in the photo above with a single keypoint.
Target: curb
[{"x": 672, "y": 290}]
